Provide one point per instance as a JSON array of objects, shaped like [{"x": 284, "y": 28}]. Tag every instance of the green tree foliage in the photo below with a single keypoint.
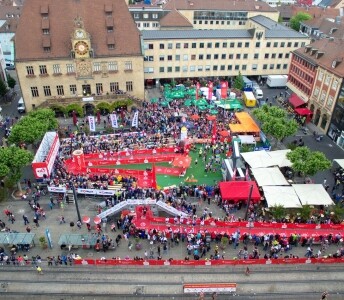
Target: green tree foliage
[
  {"x": 77, "y": 108},
  {"x": 278, "y": 212},
  {"x": 11, "y": 81},
  {"x": 275, "y": 122},
  {"x": 239, "y": 82},
  {"x": 14, "y": 159},
  {"x": 299, "y": 17},
  {"x": 104, "y": 107},
  {"x": 3, "y": 88},
  {"x": 308, "y": 162},
  {"x": 305, "y": 212},
  {"x": 31, "y": 128}
]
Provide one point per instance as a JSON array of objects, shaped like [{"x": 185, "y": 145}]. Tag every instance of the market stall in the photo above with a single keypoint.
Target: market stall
[
  {"x": 269, "y": 176},
  {"x": 304, "y": 113},
  {"x": 281, "y": 195},
  {"x": 295, "y": 101},
  {"x": 264, "y": 159},
  {"x": 312, "y": 194},
  {"x": 245, "y": 125},
  {"x": 239, "y": 190},
  {"x": 18, "y": 240}
]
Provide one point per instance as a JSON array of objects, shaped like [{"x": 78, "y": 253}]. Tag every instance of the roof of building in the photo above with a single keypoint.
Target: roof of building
[
  {"x": 175, "y": 19},
  {"x": 287, "y": 11},
  {"x": 332, "y": 50},
  {"x": 195, "y": 34},
  {"x": 274, "y": 29},
  {"x": 325, "y": 3},
  {"x": 225, "y": 5},
  {"x": 62, "y": 14},
  {"x": 327, "y": 27},
  {"x": 10, "y": 12}
]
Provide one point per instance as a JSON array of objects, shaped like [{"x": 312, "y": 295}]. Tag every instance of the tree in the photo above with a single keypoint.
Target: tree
[
  {"x": 239, "y": 82},
  {"x": 275, "y": 122},
  {"x": 13, "y": 159},
  {"x": 308, "y": 162},
  {"x": 31, "y": 128},
  {"x": 297, "y": 19},
  {"x": 278, "y": 212},
  {"x": 11, "y": 81},
  {"x": 305, "y": 212},
  {"x": 3, "y": 89}
]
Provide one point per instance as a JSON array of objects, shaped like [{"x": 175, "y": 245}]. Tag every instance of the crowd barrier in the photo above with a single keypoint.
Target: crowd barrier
[{"x": 199, "y": 263}]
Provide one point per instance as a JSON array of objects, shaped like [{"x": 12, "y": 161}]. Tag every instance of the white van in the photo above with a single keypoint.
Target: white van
[
  {"x": 21, "y": 106},
  {"x": 258, "y": 93}
]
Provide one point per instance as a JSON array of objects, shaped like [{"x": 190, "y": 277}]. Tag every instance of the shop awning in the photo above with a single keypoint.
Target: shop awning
[
  {"x": 303, "y": 111},
  {"x": 312, "y": 194},
  {"x": 296, "y": 101},
  {"x": 16, "y": 238},
  {"x": 281, "y": 195},
  {"x": 239, "y": 190}
]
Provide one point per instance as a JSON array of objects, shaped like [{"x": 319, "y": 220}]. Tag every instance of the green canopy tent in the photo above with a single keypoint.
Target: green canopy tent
[
  {"x": 154, "y": 100},
  {"x": 230, "y": 104},
  {"x": 202, "y": 107},
  {"x": 188, "y": 102},
  {"x": 213, "y": 112},
  {"x": 164, "y": 103}
]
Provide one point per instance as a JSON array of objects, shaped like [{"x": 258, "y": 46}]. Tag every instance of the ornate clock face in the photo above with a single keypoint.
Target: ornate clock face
[
  {"x": 81, "y": 48},
  {"x": 84, "y": 69}
]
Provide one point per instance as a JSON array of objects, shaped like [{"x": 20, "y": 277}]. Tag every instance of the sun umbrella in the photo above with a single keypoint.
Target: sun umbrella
[
  {"x": 202, "y": 107},
  {"x": 164, "y": 103},
  {"x": 214, "y": 112},
  {"x": 97, "y": 220},
  {"x": 211, "y": 106},
  {"x": 86, "y": 219},
  {"x": 195, "y": 117},
  {"x": 224, "y": 133},
  {"x": 182, "y": 161},
  {"x": 187, "y": 103},
  {"x": 154, "y": 100},
  {"x": 202, "y": 102},
  {"x": 211, "y": 118}
]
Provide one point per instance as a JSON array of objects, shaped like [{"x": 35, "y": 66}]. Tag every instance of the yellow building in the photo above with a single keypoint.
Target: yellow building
[
  {"x": 261, "y": 49},
  {"x": 77, "y": 51}
]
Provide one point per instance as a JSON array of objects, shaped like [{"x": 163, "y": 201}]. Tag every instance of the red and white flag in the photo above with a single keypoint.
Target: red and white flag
[
  {"x": 92, "y": 123},
  {"x": 210, "y": 90},
  {"x": 224, "y": 89},
  {"x": 198, "y": 86}
]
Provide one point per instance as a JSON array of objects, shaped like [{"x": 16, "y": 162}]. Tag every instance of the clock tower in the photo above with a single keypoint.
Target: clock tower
[{"x": 81, "y": 47}]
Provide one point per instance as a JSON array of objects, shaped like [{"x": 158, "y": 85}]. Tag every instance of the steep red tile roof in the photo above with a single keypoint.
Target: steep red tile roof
[
  {"x": 62, "y": 14},
  {"x": 175, "y": 19},
  {"x": 287, "y": 11}
]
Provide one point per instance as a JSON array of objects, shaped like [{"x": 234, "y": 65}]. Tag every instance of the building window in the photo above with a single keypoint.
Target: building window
[
  {"x": 186, "y": 45},
  {"x": 265, "y": 67},
  {"x": 194, "y": 45},
  {"x": 273, "y": 55},
  {"x": 47, "y": 91},
  {"x": 257, "y": 44},
  {"x": 282, "y": 44},
  {"x": 177, "y": 57},
  {"x": 335, "y": 84},
  {"x": 289, "y": 44},
  {"x": 43, "y": 70},
  {"x": 275, "y": 44},
  {"x": 329, "y": 102},
  {"x": 185, "y": 68},
  {"x": 216, "y": 56},
  {"x": 320, "y": 76},
  {"x": 223, "y": 56},
  {"x": 268, "y": 44},
  {"x": 170, "y": 46},
  {"x": 193, "y": 57},
  {"x": 114, "y": 86},
  {"x": 296, "y": 44},
  {"x": 285, "y": 66},
  {"x": 46, "y": 31},
  {"x": 185, "y": 57},
  {"x": 200, "y": 56},
  {"x": 96, "y": 67},
  {"x": 217, "y": 45},
  {"x": 266, "y": 55},
  {"x": 245, "y": 56},
  {"x": 169, "y": 57},
  {"x": 322, "y": 98},
  {"x": 113, "y": 66},
  {"x": 192, "y": 68},
  {"x": 243, "y": 67},
  {"x": 256, "y": 56},
  {"x": 161, "y": 58},
  {"x": 207, "y": 68},
  {"x": 229, "y": 67},
  {"x": 128, "y": 65},
  {"x": 70, "y": 68},
  {"x": 136, "y": 16},
  {"x": 169, "y": 69},
  {"x": 200, "y": 68},
  {"x": 34, "y": 91},
  {"x": 46, "y": 49},
  {"x": 222, "y": 67},
  {"x": 254, "y": 67},
  {"x": 178, "y": 46},
  {"x": 238, "y": 56},
  {"x": 147, "y": 58},
  {"x": 272, "y": 66},
  {"x": 214, "y": 67},
  {"x": 231, "y": 45},
  {"x": 161, "y": 46},
  {"x": 316, "y": 92},
  {"x": 56, "y": 69},
  {"x": 148, "y": 70},
  {"x": 278, "y": 66},
  {"x": 29, "y": 70},
  {"x": 145, "y": 16},
  {"x": 230, "y": 56},
  {"x": 208, "y": 56},
  {"x": 328, "y": 79},
  {"x": 280, "y": 55},
  {"x": 155, "y": 16},
  {"x": 224, "y": 45},
  {"x": 177, "y": 69},
  {"x": 239, "y": 45},
  {"x": 99, "y": 88},
  {"x": 209, "y": 45},
  {"x": 237, "y": 67},
  {"x": 129, "y": 86},
  {"x": 201, "y": 45},
  {"x": 60, "y": 90},
  {"x": 247, "y": 44},
  {"x": 72, "y": 89},
  {"x": 161, "y": 69},
  {"x": 287, "y": 55}
]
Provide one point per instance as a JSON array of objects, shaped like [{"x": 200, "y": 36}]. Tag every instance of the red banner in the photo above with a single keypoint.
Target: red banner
[
  {"x": 210, "y": 90},
  {"x": 224, "y": 89},
  {"x": 198, "y": 86}
]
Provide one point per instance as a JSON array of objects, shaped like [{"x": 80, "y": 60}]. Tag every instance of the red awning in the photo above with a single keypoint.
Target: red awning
[
  {"x": 296, "y": 101},
  {"x": 303, "y": 111},
  {"x": 239, "y": 190}
]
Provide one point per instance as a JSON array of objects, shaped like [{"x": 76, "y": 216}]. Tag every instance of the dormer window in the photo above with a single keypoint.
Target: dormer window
[
  {"x": 319, "y": 54},
  {"x": 336, "y": 62},
  {"x": 313, "y": 51}
]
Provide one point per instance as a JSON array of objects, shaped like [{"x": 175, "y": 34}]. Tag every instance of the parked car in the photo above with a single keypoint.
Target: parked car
[{"x": 10, "y": 67}]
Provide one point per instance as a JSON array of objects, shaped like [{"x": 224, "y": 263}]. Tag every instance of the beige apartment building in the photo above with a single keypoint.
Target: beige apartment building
[
  {"x": 262, "y": 49},
  {"x": 77, "y": 52}
]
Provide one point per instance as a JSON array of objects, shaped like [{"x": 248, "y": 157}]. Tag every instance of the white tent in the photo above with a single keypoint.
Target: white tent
[
  {"x": 340, "y": 162},
  {"x": 312, "y": 194},
  {"x": 281, "y": 195},
  {"x": 269, "y": 176},
  {"x": 264, "y": 159}
]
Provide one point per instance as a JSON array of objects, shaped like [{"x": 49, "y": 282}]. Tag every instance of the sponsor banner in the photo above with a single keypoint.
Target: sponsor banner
[
  {"x": 114, "y": 122},
  {"x": 209, "y": 288},
  {"x": 210, "y": 90},
  {"x": 135, "y": 120},
  {"x": 56, "y": 189},
  {"x": 54, "y": 149},
  {"x": 92, "y": 123},
  {"x": 40, "y": 169},
  {"x": 224, "y": 89},
  {"x": 96, "y": 192}
]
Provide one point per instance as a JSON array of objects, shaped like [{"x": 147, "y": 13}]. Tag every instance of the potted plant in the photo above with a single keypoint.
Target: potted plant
[
  {"x": 43, "y": 242},
  {"x": 224, "y": 242},
  {"x": 138, "y": 245}
]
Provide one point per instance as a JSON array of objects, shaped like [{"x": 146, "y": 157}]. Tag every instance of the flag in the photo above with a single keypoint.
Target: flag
[
  {"x": 114, "y": 122},
  {"x": 210, "y": 90},
  {"x": 198, "y": 86},
  {"x": 224, "y": 89},
  {"x": 92, "y": 123},
  {"x": 135, "y": 120},
  {"x": 154, "y": 183},
  {"x": 213, "y": 136}
]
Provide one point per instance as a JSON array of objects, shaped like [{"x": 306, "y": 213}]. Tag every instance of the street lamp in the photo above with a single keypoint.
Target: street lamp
[{"x": 75, "y": 200}]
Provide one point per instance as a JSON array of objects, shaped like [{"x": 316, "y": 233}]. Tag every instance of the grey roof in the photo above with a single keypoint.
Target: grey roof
[
  {"x": 325, "y": 3},
  {"x": 276, "y": 30},
  {"x": 194, "y": 34}
]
